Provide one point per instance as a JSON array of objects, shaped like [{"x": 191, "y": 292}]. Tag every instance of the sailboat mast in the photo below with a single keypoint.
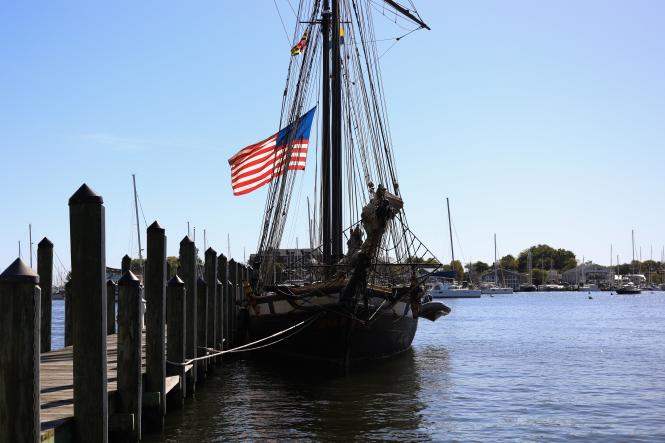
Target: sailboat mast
[
  {"x": 450, "y": 230},
  {"x": 611, "y": 274},
  {"x": 136, "y": 209},
  {"x": 530, "y": 266},
  {"x": 496, "y": 272},
  {"x": 336, "y": 137},
  {"x": 325, "y": 145},
  {"x": 632, "y": 237}
]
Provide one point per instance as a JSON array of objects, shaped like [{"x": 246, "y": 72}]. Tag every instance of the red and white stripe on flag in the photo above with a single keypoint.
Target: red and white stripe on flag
[{"x": 258, "y": 164}]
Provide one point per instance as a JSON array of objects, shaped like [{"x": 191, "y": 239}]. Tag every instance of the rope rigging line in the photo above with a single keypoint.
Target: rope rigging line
[
  {"x": 286, "y": 34},
  {"x": 247, "y": 347}
]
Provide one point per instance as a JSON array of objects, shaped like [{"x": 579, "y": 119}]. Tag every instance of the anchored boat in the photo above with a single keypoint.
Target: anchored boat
[{"x": 335, "y": 304}]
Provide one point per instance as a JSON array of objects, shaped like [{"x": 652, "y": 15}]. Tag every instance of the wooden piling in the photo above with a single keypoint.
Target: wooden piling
[
  {"x": 211, "y": 284},
  {"x": 155, "y": 318},
  {"x": 223, "y": 309},
  {"x": 19, "y": 354},
  {"x": 240, "y": 305},
  {"x": 233, "y": 290},
  {"x": 87, "y": 237},
  {"x": 128, "y": 404},
  {"x": 110, "y": 307},
  {"x": 187, "y": 273},
  {"x": 126, "y": 264},
  {"x": 202, "y": 326},
  {"x": 68, "y": 313},
  {"x": 45, "y": 271},
  {"x": 176, "y": 343}
]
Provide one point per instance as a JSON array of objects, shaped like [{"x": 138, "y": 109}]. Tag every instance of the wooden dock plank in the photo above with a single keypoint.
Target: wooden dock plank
[{"x": 56, "y": 383}]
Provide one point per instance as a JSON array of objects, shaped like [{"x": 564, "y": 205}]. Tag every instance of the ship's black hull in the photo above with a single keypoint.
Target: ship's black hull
[{"x": 333, "y": 335}]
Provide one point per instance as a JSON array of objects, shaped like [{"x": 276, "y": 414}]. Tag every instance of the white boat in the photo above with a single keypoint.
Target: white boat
[
  {"x": 491, "y": 290},
  {"x": 450, "y": 290}
]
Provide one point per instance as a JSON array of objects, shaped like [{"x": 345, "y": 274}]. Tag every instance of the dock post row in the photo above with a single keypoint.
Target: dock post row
[{"x": 202, "y": 303}]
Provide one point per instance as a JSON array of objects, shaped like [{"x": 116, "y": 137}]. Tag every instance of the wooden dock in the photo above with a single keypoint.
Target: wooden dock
[
  {"x": 57, "y": 389},
  {"x": 111, "y": 384}
]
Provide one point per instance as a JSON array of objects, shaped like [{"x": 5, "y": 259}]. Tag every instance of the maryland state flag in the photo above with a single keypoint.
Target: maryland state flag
[{"x": 300, "y": 46}]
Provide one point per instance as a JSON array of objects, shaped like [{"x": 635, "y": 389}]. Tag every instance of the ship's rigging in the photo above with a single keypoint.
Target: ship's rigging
[{"x": 343, "y": 79}]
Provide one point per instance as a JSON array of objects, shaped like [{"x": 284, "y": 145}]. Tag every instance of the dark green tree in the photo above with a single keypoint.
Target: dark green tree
[
  {"x": 546, "y": 257},
  {"x": 459, "y": 270},
  {"x": 479, "y": 267},
  {"x": 509, "y": 262}
]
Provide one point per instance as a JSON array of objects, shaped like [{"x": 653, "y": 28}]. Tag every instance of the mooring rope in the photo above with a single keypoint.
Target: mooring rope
[{"x": 246, "y": 347}]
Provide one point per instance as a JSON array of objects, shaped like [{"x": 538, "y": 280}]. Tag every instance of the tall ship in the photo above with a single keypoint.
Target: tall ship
[{"x": 359, "y": 294}]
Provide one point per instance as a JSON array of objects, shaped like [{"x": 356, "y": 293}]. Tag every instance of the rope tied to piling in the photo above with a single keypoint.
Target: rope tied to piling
[{"x": 247, "y": 347}]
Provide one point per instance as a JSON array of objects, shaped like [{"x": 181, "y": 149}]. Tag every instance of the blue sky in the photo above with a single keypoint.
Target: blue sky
[{"x": 542, "y": 121}]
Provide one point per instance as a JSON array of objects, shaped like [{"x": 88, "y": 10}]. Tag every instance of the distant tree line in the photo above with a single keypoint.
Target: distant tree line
[{"x": 544, "y": 258}]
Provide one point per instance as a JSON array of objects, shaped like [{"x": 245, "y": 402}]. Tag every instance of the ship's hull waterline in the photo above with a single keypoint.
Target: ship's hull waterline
[{"x": 331, "y": 331}]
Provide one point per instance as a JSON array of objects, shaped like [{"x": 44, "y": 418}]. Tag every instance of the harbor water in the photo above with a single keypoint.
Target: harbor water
[{"x": 529, "y": 366}]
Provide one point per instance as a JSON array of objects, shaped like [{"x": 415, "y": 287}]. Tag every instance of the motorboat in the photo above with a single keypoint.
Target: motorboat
[
  {"x": 629, "y": 288},
  {"x": 451, "y": 290}
]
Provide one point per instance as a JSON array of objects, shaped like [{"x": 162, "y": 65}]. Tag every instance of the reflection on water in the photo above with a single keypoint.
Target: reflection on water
[{"x": 252, "y": 400}]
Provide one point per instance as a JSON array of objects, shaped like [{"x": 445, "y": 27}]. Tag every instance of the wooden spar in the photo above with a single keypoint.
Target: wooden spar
[{"x": 407, "y": 13}]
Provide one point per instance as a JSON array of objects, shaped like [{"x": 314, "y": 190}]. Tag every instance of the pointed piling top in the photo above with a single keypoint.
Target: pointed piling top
[
  {"x": 126, "y": 257},
  {"x": 128, "y": 279},
  {"x": 211, "y": 251},
  {"x": 176, "y": 281},
  {"x": 19, "y": 272},
  {"x": 221, "y": 257},
  {"x": 45, "y": 243},
  {"x": 186, "y": 240},
  {"x": 155, "y": 226},
  {"x": 85, "y": 195},
  {"x": 110, "y": 282},
  {"x": 200, "y": 281},
  {"x": 232, "y": 261}
]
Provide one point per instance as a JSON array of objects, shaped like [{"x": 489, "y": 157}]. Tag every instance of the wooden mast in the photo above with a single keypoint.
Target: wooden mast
[
  {"x": 325, "y": 145},
  {"x": 336, "y": 138}
]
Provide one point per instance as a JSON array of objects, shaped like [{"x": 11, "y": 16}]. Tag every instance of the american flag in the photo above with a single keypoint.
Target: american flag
[{"x": 257, "y": 164}]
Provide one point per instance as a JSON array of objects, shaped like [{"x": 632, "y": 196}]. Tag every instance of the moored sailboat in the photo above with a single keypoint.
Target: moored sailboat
[{"x": 343, "y": 307}]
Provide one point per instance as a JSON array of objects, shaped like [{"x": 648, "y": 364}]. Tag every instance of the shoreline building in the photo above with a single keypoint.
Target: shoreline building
[{"x": 586, "y": 273}]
